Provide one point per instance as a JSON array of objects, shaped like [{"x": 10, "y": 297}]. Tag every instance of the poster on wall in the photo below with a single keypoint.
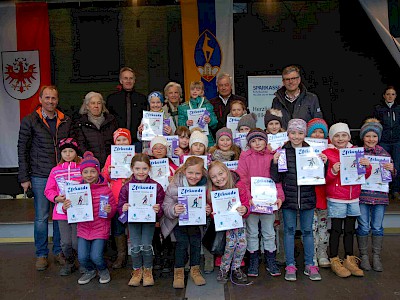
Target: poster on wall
[{"x": 261, "y": 91}]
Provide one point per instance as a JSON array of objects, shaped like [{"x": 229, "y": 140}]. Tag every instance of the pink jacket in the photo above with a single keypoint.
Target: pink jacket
[
  {"x": 58, "y": 175},
  {"x": 115, "y": 183},
  {"x": 333, "y": 187},
  {"x": 256, "y": 164}
]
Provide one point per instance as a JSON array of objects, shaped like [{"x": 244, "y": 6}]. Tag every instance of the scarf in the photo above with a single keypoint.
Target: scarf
[{"x": 97, "y": 121}]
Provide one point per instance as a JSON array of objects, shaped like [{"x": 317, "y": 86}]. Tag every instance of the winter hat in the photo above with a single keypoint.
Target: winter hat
[
  {"x": 248, "y": 120},
  {"x": 124, "y": 132},
  {"x": 371, "y": 124},
  {"x": 338, "y": 127},
  {"x": 156, "y": 94},
  {"x": 198, "y": 137},
  {"x": 224, "y": 131},
  {"x": 257, "y": 133},
  {"x": 297, "y": 124},
  {"x": 273, "y": 114},
  {"x": 159, "y": 139},
  {"x": 317, "y": 123},
  {"x": 69, "y": 143},
  {"x": 89, "y": 161}
]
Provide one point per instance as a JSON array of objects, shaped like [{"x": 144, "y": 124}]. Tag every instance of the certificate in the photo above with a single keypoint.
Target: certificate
[
  {"x": 153, "y": 124},
  {"x": 142, "y": 197},
  {"x": 232, "y": 165},
  {"x": 197, "y": 116},
  {"x": 204, "y": 157},
  {"x": 172, "y": 144},
  {"x": 277, "y": 140},
  {"x": 232, "y": 123},
  {"x": 240, "y": 140},
  {"x": 195, "y": 196},
  {"x": 81, "y": 209},
  {"x": 160, "y": 171},
  {"x": 348, "y": 166},
  {"x": 374, "y": 182},
  {"x": 309, "y": 166},
  {"x": 317, "y": 143},
  {"x": 225, "y": 203},
  {"x": 121, "y": 157},
  {"x": 264, "y": 194},
  {"x": 62, "y": 184}
]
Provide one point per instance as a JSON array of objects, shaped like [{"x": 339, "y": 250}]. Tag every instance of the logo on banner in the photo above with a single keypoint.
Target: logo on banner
[
  {"x": 21, "y": 73},
  {"x": 207, "y": 55}
]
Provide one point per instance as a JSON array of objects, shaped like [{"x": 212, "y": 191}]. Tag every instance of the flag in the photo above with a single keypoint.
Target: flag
[
  {"x": 207, "y": 41},
  {"x": 25, "y": 67}
]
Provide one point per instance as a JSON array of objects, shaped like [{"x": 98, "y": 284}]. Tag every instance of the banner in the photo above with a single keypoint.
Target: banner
[
  {"x": 25, "y": 66},
  {"x": 207, "y": 38}
]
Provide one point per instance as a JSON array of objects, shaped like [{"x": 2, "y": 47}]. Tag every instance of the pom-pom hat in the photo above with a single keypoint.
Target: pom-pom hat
[
  {"x": 124, "y": 132},
  {"x": 371, "y": 124},
  {"x": 256, "y": 133},
  {"x": 271, "y": 115},
  {"x": 248, "y": 120},
  {"x": 317, "y": 123},
  {"x": 338, "y": 127},
  {"x": 69, "y": 143},
  {"x": 224, "y": 131},
  {"x": 159, "y": 139},
  {"x": 198, "y": 137},
  {"x": 89, "y": 161}
]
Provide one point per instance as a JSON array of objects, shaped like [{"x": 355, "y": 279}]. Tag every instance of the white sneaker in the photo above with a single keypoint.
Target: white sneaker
[{"x": 324, "y": 262}]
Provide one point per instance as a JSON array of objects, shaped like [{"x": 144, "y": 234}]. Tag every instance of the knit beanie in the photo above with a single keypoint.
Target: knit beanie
[
  {"x": 124, "y": 132},
  {"x": 156, "y": 94},
  {"x": 159, "y": 139},
  {"x": 69, "y": 143},
  {"x": 338, "y": 127},
  {"x": 317, "y": 123},
  {"x": 272, "y": 114},
  {"x": 89, "y": 161},
  {"x": 297, "y": 124},
  {"x": 198, "y": 137},
  {"x": 248, "y": 120},
  {"x": 371, "y": 124},
  {"x": 224, "y": 131},
  {"x": 257, "y": 133}
]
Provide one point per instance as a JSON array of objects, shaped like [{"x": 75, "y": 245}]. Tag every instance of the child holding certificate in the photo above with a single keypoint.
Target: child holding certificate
[
  {"x": 66, "y": 172},
  {"x": 190, "y": 174},
  {"x": 298, "y": 199},
  {"x": 343, "y": 203},
  {"x": 373, "y": 202},
  {"x": 141, "y": 234},
  {"x": 93, "y": 235},
  {"x": 222, "y": 178},
  {"x": 256, "y": 162},
  {"x": 121, "y": 136},
  {"x": 238, "y": 109},
  {"x": 224, "y": 149},
  {"x": 183, "y": 134}
]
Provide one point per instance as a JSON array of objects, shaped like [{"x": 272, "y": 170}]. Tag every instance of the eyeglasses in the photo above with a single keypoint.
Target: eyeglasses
[{"x": 291, "y": 79}]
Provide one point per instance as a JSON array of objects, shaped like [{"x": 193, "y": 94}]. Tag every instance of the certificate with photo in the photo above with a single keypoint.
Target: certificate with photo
[
  {"x": 195, "y": 197},
  {"x": 225, "y": 203},
  {"x": 309, "y": 166},
  {"x": 277, "y": 140},
  {"x": 374, "y": 182},
  {"x": 317, "y": 143},
  {"x": 142, "y": 198},
  {"x": 197, "y": 116},
  {"x": 152, "y": 124},
  {"x": 121, "y": 157},
  {"x": 232, "y": 123},
  {"x": 81, "y": 209},
  {"x": 204, "y": 157},
  {"x": 264, "y": 194},
  {"x": 160, "y": 171},
  {"x": 348, "y": 166}
]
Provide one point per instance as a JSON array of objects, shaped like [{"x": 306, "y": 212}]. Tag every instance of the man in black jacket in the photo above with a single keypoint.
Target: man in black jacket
[
  {"x": 38, "y": 153},
  {"x": 128, "y": 105}
]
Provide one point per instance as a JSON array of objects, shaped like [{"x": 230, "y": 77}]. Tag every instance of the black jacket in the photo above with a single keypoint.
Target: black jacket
[
  {"x": 296, "y": 197},
  {"x": 38, "y": 150},
  {"x": 390, "y": 120}
]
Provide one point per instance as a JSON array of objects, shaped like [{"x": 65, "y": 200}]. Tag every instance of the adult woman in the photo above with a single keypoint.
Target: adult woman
[
  {"x": 173, "y": 97},
  {"x": 388, "y": 113},
  {"x": 95, "y": 127}
]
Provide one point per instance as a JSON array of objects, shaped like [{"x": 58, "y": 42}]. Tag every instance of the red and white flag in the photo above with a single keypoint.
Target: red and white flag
[{"x": 25, "y": 67}]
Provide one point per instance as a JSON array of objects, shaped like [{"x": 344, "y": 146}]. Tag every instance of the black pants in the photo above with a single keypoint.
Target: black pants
[{"x": 348, "y": 237}]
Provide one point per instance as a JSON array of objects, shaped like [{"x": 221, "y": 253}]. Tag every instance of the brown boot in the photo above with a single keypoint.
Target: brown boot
[
  {"x": 137, "y": 275},
  {"x": 196, "y": 276},
  {"x": 179, "y": 278},
  {"x": 148, "y": 279},
  {"x": 338, "y": 269},
  {"x": 121, "y": 243},
  {"x": 41, "y": 263},
  {"x": 351, "y": 264}
]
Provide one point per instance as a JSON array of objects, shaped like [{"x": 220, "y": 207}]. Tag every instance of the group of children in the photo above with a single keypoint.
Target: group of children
[{"x": 83, "y": 243}]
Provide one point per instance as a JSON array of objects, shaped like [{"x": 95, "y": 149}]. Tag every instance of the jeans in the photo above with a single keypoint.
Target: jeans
[
  {"x": 394, "y": 151},
  {"x": 141, "y": 236},
  {"x": 184, "y": 236},
  {"x": 90, "y": 254},
  {"x": 267, "y": 232},
  {"x": 42, "y": 210},
  {"x": 371, "y": 219},
  {"x": 306, "y": 226}
]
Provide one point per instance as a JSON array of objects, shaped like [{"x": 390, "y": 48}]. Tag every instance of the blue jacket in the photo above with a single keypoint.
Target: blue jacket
[{"x": 390, "y": 120}]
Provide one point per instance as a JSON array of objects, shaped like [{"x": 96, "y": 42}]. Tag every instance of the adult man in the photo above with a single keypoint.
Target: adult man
[
  {"x": 223, "y": 100},
  {"x": 38, "y": 153},
  {"x": 128, "y": 105},
  {"x": 294, "y": 100}
]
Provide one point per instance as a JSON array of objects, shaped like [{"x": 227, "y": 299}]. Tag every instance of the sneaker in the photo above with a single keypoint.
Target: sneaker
[
  {"x": 41, "y": 263},
  {"x": 85, "y": 278},
  {"x": 222, "y": 276},
  {"x": 60, "y": 259},
  {"x": 67, "y": 269},
  {"x": 312, "y": 272},
  {"x": 324, "y": 262},
  {"x": 290, "y": 274},
  {"x": 104, "y": 276},
  {"x": 239, "y": 275},
  {"x": 271, "y": 266}
]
